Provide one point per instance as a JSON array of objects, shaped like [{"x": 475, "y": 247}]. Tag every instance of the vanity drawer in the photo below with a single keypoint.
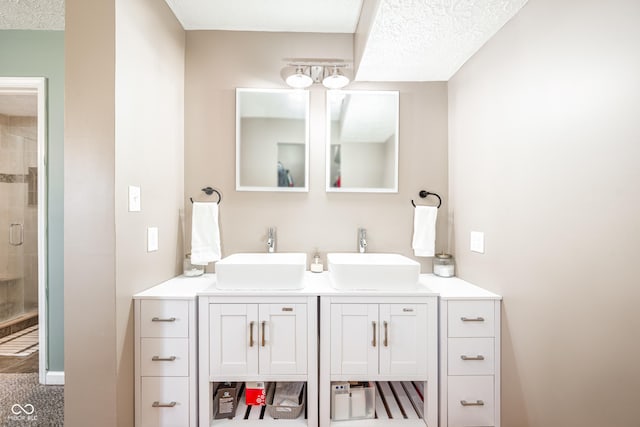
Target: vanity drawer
[
  {"x": 164, "y": 357},
  {"x": 471, "y": 356},
  {"x": 165, "y": 402},
  {"x": 164, "y": 318},
  {"x": 471, "y": 401},
  {"x": 471, "y": 318}
]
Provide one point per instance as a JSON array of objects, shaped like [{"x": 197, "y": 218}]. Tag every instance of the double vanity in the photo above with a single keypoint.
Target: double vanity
[{"x": 425, "y": 349}]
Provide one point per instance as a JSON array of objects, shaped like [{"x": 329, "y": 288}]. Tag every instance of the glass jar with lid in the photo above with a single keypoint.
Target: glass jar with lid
[
  {"x": 192, "y": 270},
  {"x": 444, "y": 265}
]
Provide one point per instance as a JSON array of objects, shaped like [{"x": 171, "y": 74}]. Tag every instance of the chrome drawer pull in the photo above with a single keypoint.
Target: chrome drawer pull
[
  {"x": 163, "y": 359},
  {"x": 478, "y": 357},
  {"x": 161, "y": 319},
  {"x": 472, "y": 319},
  {"x": 287, "y": 308},
  {"x": 263, "y": 323},
  {"x": 408, "y": 310},
  {"x": 476, "y": 403},
  {"x": 157, "y": 404}
]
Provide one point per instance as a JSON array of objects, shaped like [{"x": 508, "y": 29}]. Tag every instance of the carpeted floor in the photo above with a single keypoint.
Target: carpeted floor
[{"x": 27, "y": 403}]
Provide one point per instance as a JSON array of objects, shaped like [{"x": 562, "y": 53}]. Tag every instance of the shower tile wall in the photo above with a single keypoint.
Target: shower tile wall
[{"x": 18, "y": 264}]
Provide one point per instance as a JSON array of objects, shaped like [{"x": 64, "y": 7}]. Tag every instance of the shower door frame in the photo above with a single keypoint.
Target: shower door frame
[{"x": 38, "y": 86}]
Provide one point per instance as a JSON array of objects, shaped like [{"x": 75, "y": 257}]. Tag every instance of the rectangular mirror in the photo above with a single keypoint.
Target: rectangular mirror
[
  {"x": 362, "y": 141},
  {"x": 272, "y": 140}
]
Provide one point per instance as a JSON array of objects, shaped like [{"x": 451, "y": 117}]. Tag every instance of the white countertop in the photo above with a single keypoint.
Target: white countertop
[
  {"x": 455, "y": 288},
  {"x": 180, "y": 287},
  {"x": 183, "y": 287},
  {"x": 317, "y": 284}
]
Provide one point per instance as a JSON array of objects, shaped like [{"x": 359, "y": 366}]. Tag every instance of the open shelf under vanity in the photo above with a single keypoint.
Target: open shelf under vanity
[{"x": 397, "y": 403}]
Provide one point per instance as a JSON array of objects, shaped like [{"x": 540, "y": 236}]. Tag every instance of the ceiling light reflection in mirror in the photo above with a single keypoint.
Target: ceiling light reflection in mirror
[{"x": 362, "y": 141}]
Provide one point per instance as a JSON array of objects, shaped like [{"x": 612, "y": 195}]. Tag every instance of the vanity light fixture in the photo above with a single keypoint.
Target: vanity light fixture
[
  {"x": 329, "y": 74},
  {"x": 300, "y": 79},
  {"x": 334, "y": 79}
]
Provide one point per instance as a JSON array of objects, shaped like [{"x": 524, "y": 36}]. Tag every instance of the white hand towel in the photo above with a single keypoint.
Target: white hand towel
[
  {"x": 205, "y": 235},
  {"x": 424, "y": 230}
]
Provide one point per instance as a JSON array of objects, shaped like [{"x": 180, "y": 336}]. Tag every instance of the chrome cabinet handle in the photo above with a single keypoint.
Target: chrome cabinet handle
[
  {"x": 157, "y": 404},
  {"x": 472, "y": 319},
  {"x": 163, "y": 319},
  {"x": 476, "y": 403},
  {"x": 12, "y": 240},
  {"x": 386, "y": 333},
  {"x": 251, "y": 333},
  {"x": 407, "y": 310},
  {"x": 163, "y": 359},
  {"x": 287, "y": 308},
  {"x": 478, "y": 357},
  {"x": 263, "y": 325},
  {"x": 373, "y": 323}
]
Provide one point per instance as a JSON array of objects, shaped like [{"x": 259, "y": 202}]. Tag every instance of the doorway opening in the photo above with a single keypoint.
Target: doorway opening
[{"x": 23, "y": 226}]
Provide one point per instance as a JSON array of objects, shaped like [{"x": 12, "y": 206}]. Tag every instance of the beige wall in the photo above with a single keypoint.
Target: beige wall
[
  {"x": 150, "y": 46},
  {"x": 89, "y": 214},
  {"x": 217, "y": 63},
  {"x": 544, "y": 156},
  {"x": 124, "y": 94}
]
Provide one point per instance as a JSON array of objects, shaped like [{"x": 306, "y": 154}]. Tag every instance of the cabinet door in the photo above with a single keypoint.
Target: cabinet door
[
  {"x": 354, "y": 339},
  {"x": 403, "y": 339},
  {"x": 283, "y": 338},
  {"x": 233, "y": 348}
]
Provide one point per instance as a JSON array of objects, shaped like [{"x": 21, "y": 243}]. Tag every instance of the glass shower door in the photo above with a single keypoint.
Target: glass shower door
[{"x": 18, "y": 206}]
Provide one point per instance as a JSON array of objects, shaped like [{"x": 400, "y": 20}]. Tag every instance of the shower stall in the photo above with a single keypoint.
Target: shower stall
[
  {"x": 23, "y": 235},
  {"x": 19, "y": 219}
]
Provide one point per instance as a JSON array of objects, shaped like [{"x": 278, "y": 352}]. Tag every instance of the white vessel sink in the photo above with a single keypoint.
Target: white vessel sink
[
  {"x": 261, "y": 271},
  {"x": 374, "y": 271}
]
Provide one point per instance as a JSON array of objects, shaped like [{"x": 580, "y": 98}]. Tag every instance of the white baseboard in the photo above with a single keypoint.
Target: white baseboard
[{"x": 54, "y": 378}]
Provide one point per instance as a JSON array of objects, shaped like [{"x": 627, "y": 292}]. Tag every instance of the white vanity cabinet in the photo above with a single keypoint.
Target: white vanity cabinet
[
  {"x": 469, "y": 354},
  {"x": 257, "y": 336},
  {"x": 257, "y": 339},
  {"x": 165, "y": 365},
  {"x": 389, "y": 341},
  {"x": 372, "y": 340}
]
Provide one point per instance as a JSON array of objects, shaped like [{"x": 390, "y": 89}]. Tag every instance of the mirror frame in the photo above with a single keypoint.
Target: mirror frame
[
  {"x": 298, "y": 92},
  {"x": 328, "y": 187}
]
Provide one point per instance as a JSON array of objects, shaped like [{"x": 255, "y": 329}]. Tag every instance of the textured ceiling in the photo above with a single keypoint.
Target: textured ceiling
[
  {"x": 409, "y": 40},
  {"x": 32, "y": 14},
  {"x": 422, "y": 40}
]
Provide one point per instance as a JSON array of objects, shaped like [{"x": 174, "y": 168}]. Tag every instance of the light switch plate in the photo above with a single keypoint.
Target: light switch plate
[
  {"x": 477, "y": 241},
  {"x": 152, "y": 239},
  {"x": 134, "y": 199}
]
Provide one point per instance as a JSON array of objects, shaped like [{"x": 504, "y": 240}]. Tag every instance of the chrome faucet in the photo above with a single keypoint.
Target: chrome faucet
[
  {"x": 362, "y": 240},
  {"x": 271, "y": 240}
]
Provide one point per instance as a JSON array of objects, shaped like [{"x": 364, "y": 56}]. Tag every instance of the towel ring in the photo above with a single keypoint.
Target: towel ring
[
  {"x": 423, "y": 194},
  {"x": 209, "y": 191}
]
